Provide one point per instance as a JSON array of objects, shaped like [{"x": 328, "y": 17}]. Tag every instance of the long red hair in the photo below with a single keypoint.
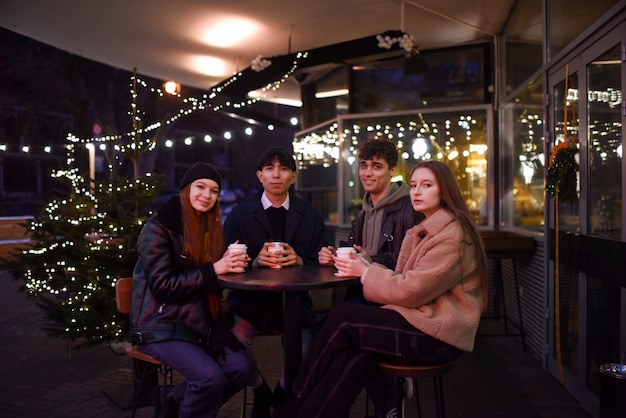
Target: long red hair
[{"x": 203, "y": 239}]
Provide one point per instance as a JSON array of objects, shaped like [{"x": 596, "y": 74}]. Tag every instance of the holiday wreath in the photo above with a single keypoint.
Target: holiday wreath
[{"x": 562, "y": 170}]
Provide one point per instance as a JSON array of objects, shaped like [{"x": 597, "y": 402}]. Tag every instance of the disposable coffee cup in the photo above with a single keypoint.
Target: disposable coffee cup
[
  {"x": 344, "y": 252},
  {"x": 275, "y": 247},
  {"x": 236, "y": 249}
]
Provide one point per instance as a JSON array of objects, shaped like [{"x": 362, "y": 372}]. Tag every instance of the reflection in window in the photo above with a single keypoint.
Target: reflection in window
[
  {"x": 446, "y": 77},
  {"x": 317, "y": 154},
  {"x": 566, "y": 129},
  {"x": 459, "y": 138},
  {"x": 569, "y": 18},
  {"x": 605, "y": 145},
  {"x": 523, "y": 41},
  {"x": 566, "y": 122},
  {"x": 523, "y": 174}
]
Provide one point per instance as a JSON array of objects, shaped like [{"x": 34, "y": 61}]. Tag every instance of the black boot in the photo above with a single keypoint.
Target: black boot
[{"x": 262, "y": 401}]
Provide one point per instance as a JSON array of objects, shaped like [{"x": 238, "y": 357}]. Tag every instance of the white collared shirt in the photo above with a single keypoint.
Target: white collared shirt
[{"x": 266, "y": 202}]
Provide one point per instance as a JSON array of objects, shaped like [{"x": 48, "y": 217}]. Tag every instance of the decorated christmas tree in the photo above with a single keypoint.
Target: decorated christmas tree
[{"x": 85, "y": 239}]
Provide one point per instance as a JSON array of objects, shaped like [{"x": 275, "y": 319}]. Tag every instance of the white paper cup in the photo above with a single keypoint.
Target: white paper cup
[
  {"x": 275, "y": 247},
  {"x": 344, "y": 252},
  {"x": 236, "y": 249}
]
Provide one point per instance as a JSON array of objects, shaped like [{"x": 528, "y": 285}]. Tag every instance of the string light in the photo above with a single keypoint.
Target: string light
[{"x": 188, "y": 105}]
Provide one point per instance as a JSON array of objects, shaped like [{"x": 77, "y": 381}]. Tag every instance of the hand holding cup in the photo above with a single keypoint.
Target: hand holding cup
[
  {"x": 348, "y": 262},
  {"x": 236, "y": 258},
  {"x": 277, "y": 252}
]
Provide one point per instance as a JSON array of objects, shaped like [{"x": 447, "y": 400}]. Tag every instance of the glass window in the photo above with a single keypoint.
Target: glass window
[
  {"x": 523, "y": 159},
  {"x": 328, "y": 96},
  {"x": 605, "y": 145},
  {"x": 327, "y": 155},
  {"x": 570, "y": 18},
  {"x": 566, "y": 163},
  {"x": 431, "y": 78},
  {"x": 563, "y": 163},
  {"x": 317, "y": 155},
  {"x": 523, "y": 42}
]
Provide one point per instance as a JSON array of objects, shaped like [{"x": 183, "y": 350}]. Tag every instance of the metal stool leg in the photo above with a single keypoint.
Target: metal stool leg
[
  {"x": 166, "y": 371},
  {"x": 438, "y": 384},
  {"x": 147, "y": 369},
  {"x": 244, "y": 403},
  {"x": 400, "y": 400},
  {"x": 417, "y": 397}
]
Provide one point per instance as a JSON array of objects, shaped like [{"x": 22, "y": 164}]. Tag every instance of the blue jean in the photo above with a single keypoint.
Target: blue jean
[
  {"x": 346, "y": 352},
  {"x": 209, "y": 383}
]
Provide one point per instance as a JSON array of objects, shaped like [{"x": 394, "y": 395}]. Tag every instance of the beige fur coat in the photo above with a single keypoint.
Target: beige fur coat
[{"x": 435, "y": 285}]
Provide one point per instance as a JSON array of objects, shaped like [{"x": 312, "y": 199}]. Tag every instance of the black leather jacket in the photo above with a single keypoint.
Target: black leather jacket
[{"x": 169, "y": 293}]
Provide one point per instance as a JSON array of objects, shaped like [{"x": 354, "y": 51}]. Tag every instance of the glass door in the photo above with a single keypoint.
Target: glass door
[
  {"x": 604, "y": 211},
  {"x": 587, "y": 243},
  {"x": 563, "y": 186}
]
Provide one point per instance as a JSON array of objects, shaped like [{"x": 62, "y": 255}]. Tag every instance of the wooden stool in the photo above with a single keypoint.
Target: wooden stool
[
  {"x": 123, "y": 295},
  {"x": 166, "y": 371},
  {"x": 415, "y": 372}
]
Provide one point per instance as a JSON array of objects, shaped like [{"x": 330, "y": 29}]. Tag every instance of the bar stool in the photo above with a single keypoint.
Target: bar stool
[
  {"x": 147, "y": 363},
  {"x": 415, "y": 372}
]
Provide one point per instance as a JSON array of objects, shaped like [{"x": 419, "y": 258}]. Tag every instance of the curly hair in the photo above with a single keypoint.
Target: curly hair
[{"x": 381, "y": 148}]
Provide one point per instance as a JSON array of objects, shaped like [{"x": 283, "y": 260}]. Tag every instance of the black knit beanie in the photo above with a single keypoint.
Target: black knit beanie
[{"x": 201, "y": 171}]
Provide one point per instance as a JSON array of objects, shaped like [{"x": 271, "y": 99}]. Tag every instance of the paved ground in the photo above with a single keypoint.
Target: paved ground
[{"x": 42, "y": 378}]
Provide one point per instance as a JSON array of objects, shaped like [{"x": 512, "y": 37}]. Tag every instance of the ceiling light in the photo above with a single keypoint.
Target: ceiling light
[
  {"x": 331, "y": 93},
  {"x": 259, "y": 94},
  {"x": 224, "y": 32},
  {"x": 211, "y": 66}
]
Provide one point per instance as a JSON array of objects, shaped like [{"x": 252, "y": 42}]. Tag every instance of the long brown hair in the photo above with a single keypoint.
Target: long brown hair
[
  {"x": 452, "y": 199},
  {"x": 203, "y": 239}
]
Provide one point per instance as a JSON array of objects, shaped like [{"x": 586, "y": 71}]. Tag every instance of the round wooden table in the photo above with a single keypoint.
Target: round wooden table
[{"x": 290, "y": 281}]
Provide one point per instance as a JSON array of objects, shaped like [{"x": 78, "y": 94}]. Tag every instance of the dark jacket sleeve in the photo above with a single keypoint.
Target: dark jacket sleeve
[{"x": 168, "y": 273}]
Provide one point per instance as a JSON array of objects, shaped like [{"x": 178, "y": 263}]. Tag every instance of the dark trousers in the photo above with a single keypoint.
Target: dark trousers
[
  {"x": 209, "y": 382},
  {"x": 347, "y": 350}
]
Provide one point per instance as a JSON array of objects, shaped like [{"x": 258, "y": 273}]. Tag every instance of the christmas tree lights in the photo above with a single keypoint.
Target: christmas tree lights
[{"x": 85, "y": 241}]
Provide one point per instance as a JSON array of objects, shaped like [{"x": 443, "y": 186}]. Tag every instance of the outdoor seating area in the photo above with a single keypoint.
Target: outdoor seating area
[
  {"x": 42, "y": 381},
  {"x": 452, "y": 170}
]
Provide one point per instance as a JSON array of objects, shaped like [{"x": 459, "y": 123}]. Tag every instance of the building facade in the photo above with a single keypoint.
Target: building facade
[{"x": 531, "y": 122}]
